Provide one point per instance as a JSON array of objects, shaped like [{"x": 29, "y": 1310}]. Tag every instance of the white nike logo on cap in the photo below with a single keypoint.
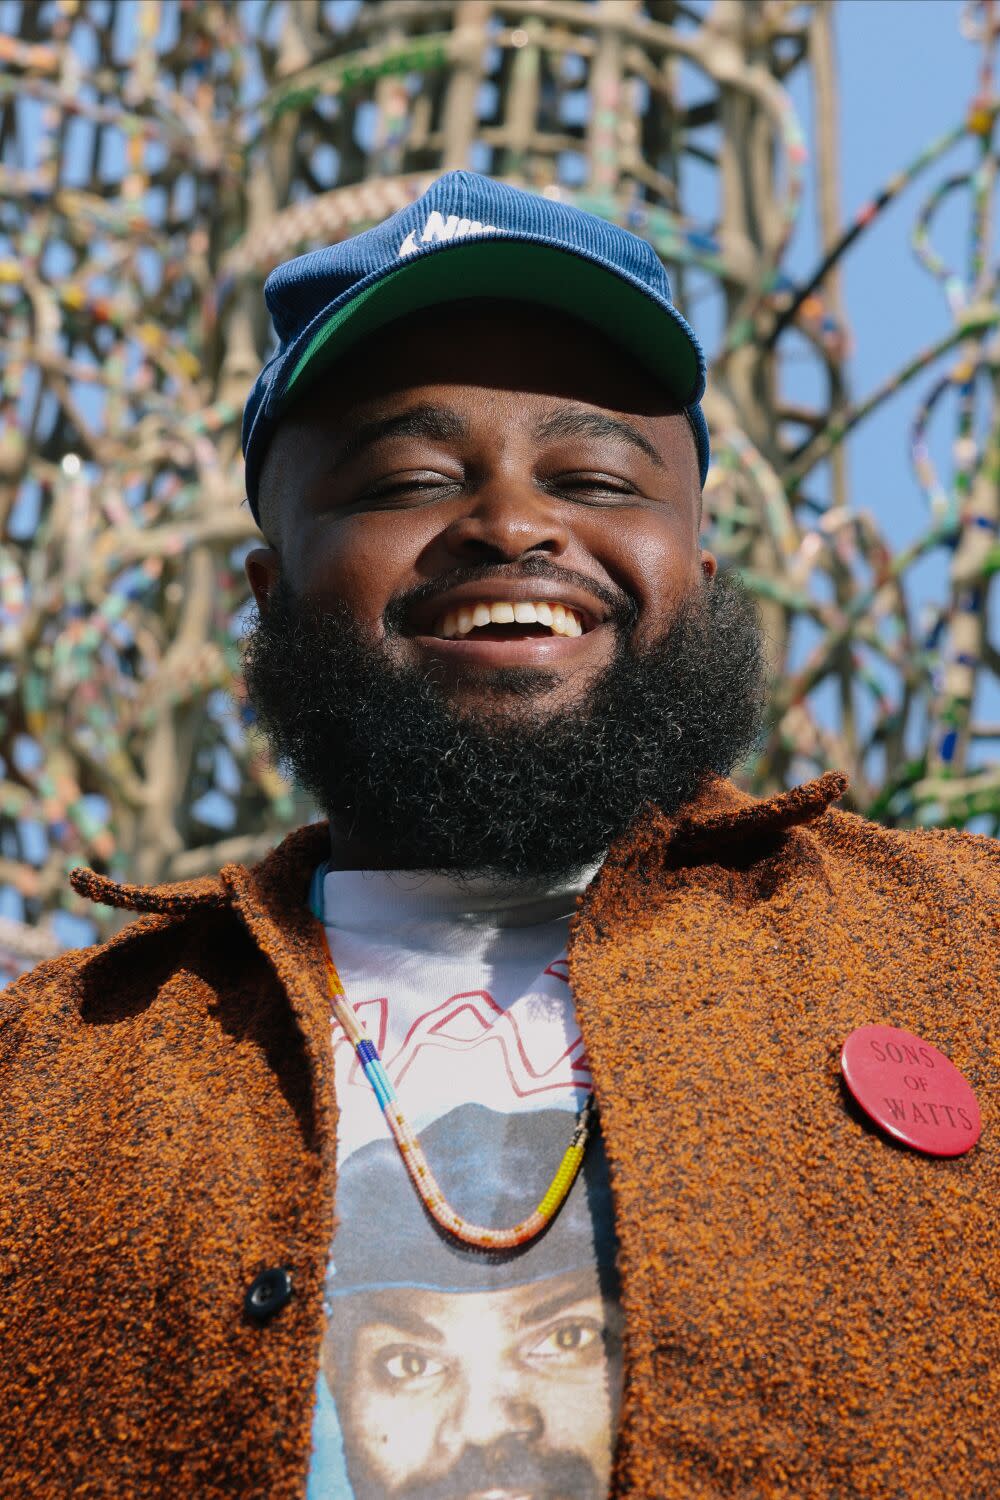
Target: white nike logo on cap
[{"x": 437, "y": 227}]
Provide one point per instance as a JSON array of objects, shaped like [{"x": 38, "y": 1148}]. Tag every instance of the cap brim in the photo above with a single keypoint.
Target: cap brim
[{"x": 513, "y": 270}]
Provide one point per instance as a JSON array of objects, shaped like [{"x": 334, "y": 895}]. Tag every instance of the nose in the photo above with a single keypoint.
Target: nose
[
  {"x": 487, "y": 1414},
  {"x": 505, "y": 519}
]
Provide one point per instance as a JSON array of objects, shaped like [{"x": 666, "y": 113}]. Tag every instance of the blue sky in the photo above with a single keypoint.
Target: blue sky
[{"x": 906, "y": 77}]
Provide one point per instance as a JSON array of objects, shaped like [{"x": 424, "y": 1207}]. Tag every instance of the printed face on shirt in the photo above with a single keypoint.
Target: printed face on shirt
[{"x": 460, "y": 1396}]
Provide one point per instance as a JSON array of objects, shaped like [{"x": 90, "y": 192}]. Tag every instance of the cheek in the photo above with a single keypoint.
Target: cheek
[
  {"x": 577, "y": 1413},
  {"x": 362, "y": 561},
  {"x": 396, "y": 1435},
  {"x": 655, "y": 558}
]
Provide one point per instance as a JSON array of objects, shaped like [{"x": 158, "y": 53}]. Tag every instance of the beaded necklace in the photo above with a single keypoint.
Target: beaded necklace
[{"x": 410, "y": 1150}]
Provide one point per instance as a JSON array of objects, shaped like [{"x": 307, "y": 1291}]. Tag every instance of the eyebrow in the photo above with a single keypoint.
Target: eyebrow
[
  {"x": 404, "y": 1320},
  {"x": 577, "y": 421},
  {"x": 436, "y": 422},
  {"x": 568, "y": 1297}
]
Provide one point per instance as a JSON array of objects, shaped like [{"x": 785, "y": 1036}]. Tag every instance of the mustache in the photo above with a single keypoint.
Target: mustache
[
  {"x": 622, "y": 608},
  {"x": 510, "y": 1464}
]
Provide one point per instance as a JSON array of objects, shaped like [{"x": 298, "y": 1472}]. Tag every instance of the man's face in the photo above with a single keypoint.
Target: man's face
[
  {"x": 487, "y": 636},
  {"x": 511, "y": 1395},
  {"x": 485, "y": 456}
]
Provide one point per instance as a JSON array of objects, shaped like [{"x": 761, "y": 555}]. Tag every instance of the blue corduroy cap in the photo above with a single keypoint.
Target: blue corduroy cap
[{"x": 469, "y": 236}]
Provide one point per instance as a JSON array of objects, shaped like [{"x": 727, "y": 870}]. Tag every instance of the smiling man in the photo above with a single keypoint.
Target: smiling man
[
  {"x": 488, "y": 538},
  {"x": 550, "y": 1119}
]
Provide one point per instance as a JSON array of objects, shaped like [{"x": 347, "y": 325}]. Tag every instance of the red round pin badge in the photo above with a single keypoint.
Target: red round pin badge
[{"x": 911, "y": 1090}]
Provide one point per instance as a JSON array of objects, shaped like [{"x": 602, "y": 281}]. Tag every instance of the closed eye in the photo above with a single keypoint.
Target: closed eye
[
  {"x": 582, "y": 484},
  {"x": 419, "y": 486}
]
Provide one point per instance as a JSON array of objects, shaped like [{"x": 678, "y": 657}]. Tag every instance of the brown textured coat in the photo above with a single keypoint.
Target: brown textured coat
[{"x": 810, "y": 1311}]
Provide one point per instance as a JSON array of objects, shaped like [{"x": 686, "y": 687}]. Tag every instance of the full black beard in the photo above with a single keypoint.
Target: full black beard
[{"x": 533, "y": 796}]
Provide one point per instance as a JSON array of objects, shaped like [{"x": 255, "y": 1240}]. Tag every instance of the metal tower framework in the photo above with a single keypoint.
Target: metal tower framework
[{"x": 158, "y": 157}]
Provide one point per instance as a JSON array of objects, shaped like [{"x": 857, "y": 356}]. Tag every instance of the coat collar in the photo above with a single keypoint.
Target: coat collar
[
  {"x": 270, "y": 899},
  {"x": 279, "y": 883}
]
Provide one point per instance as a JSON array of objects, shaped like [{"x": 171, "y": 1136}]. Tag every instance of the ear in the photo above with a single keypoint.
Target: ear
[
  {"x": 263, "y": 567},
  {"x": 709, "y": 564}
]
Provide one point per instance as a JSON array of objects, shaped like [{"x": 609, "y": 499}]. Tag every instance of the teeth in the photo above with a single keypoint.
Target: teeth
[{"x": 461, "y": 622}]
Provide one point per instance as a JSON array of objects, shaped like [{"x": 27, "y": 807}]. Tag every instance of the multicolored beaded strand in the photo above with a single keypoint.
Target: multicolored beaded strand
[{"x": 410, "y": 1150}]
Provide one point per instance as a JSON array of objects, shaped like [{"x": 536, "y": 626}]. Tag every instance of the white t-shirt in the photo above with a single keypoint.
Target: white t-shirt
[{"x": 446, "y": 1372}]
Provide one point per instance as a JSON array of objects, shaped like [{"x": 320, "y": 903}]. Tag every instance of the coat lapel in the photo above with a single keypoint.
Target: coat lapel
[{"x": 271, "y": 900}]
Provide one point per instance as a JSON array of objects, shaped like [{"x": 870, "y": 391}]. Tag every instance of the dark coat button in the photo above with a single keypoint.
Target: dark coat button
[{"x": 267, "y": 1294}]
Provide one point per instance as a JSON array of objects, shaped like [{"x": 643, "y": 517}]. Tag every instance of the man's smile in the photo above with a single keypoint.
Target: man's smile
[
  {"x": 517, "y": 622},
  {"x": 502, "y": 620},
  {"x": 513, "y": 645}
]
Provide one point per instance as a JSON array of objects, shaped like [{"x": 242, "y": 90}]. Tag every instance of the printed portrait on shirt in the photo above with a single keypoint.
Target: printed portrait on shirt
[{"x": 456, "y": 1373}]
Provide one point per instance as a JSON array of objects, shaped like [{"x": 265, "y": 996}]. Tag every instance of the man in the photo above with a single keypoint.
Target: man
[{"x": 490, "y": 646}]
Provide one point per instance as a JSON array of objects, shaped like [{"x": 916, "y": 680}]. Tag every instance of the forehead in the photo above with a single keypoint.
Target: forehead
[
  {"x": 516, "y": 349},
  {"x": 510, "y": 1309}
]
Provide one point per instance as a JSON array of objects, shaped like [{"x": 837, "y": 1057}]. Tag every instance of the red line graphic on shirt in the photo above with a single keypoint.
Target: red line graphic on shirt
[{"x": 460, "y": 1024}]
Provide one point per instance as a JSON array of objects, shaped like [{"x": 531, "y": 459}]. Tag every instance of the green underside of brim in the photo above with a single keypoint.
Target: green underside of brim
[{"x": 515, "y": 272}]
